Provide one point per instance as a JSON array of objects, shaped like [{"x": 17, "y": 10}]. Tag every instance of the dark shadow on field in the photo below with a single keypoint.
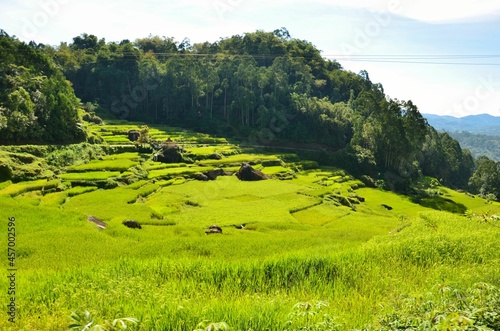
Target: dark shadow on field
[{"x": 440, "y": 203}]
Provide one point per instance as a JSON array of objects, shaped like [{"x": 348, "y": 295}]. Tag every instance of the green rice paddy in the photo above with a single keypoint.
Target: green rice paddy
[{"x": 317, "y": 251}]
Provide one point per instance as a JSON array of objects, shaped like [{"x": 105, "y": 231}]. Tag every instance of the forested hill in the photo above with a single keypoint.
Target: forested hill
[
  {"x": 259, "y": 87},
  {"x": 37, "y": 103},
  {"x": 479, "y": 144},
  {"x": 478, "y": 133}
]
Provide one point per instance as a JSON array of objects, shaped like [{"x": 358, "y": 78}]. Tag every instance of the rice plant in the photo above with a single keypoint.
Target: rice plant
[{"x": 289, "y": 257}]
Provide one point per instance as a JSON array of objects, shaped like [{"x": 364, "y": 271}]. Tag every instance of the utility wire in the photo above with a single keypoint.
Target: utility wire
[
  {"x": 434, "y": 59},
  {"x": 420, "y": 59},
  {"x": 383, "y": 58},
  {"x": 424, "y": 62}
]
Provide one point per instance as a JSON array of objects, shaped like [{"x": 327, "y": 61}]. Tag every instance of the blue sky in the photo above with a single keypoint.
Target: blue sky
[{"x": 443, "y": 55}]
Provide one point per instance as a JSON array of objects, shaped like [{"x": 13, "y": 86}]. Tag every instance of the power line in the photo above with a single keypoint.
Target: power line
[
  {"x": 446, "y": 56},
  {"x": 431, "y": 59},
  {"x": 425, "y": 62},
  {"x": 383, "y": 58},
  {"x": 445, "y": 59}
]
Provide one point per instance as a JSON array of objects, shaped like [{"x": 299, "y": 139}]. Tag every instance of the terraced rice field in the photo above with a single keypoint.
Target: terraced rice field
[{"x": 306, "y": 249}]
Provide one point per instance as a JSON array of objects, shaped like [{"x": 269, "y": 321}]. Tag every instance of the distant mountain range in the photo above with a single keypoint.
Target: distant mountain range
[
  {"x": 478, "y": 133},
  {"x": 481, "y": 124}
]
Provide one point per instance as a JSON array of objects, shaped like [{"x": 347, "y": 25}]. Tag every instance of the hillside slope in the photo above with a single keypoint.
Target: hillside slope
[
  {"x": 310, "y": 241},
  {"x": 37, "y": 103},
  {"x": 479, "y": 144}
]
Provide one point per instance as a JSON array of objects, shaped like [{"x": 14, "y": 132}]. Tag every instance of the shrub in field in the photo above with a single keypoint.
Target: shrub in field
[
  {"x": 368, "y": 181},
  {"x": 447, "y": 308},
  {"x": 341, "y": 200},
  {"x": 110, "y": 184},
  {"x": 36, "y": 150},
  {"x": 86, "y": 322},
  {"x": 211, "y": 326},
  {"x": 91, "y": 117},
  {"x": 22, "y": 167},
  {"x": 94, "y": 139},
  {"x": 73, "y": 154},
  {"x": 138, "y": 173},
  {"x": 490, "y": 197},
  {"x": 306, "y": 316},
  {"x": 5, "y": 172}
]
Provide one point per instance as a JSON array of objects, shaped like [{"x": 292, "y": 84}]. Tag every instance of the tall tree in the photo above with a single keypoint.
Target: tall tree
[{"x": 37, "y": 103}]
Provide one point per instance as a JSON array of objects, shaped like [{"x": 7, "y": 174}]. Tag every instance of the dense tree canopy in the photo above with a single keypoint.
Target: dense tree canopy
[
  {"x": 259, "y": 86},
  {"x": 479, "y": 144},
  {"x": 37, "y": 103},
  {"x": 486, "y": 178}
]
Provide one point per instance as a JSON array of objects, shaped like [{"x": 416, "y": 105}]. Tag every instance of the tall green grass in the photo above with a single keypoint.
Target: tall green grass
[
  {"x": 206, "y": 278},
  {"x": 300, "y": 262}
]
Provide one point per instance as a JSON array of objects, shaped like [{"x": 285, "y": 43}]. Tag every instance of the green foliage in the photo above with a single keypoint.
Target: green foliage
[
  {"x": 37, "y": 103},
  {"x": 294, "y": 95},
  {"x": 234, "y": 88},
  {"x": 211, "y": 326},
  {"x": 73, "y": 154},
  {"x": 89, "y": 114},
  {"x": 485, "y": 180},
  {"x": 447, "y": 308},
  {"x": 479, "y": 144},
  {"x": 86, "y": 322},
  {"x": 445, "y": 160},
  {"x": 21, "y": 166},
  {"x": 306, "y": 316},
  {"x": 308, "y": 165},
  {"x": 283, "y": 242},
  {"x": 176, "y": 171}
]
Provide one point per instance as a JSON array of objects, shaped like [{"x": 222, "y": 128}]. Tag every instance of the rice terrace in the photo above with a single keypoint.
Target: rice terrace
[
  {"x": 309, "y": 248},
  {"x": 245, "y": 184}
]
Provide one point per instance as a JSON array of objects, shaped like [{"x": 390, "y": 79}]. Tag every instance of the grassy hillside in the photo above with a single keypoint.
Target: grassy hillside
[{"x": 318, "y": 250}]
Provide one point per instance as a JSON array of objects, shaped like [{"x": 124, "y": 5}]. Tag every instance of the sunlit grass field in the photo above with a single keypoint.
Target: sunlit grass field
[{"x": 317, "y": 251}]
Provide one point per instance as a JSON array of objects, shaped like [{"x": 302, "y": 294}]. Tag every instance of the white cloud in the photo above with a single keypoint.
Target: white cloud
[
  {"x": 451, "y": 11},
  {"x": 432, "y": 11}
]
